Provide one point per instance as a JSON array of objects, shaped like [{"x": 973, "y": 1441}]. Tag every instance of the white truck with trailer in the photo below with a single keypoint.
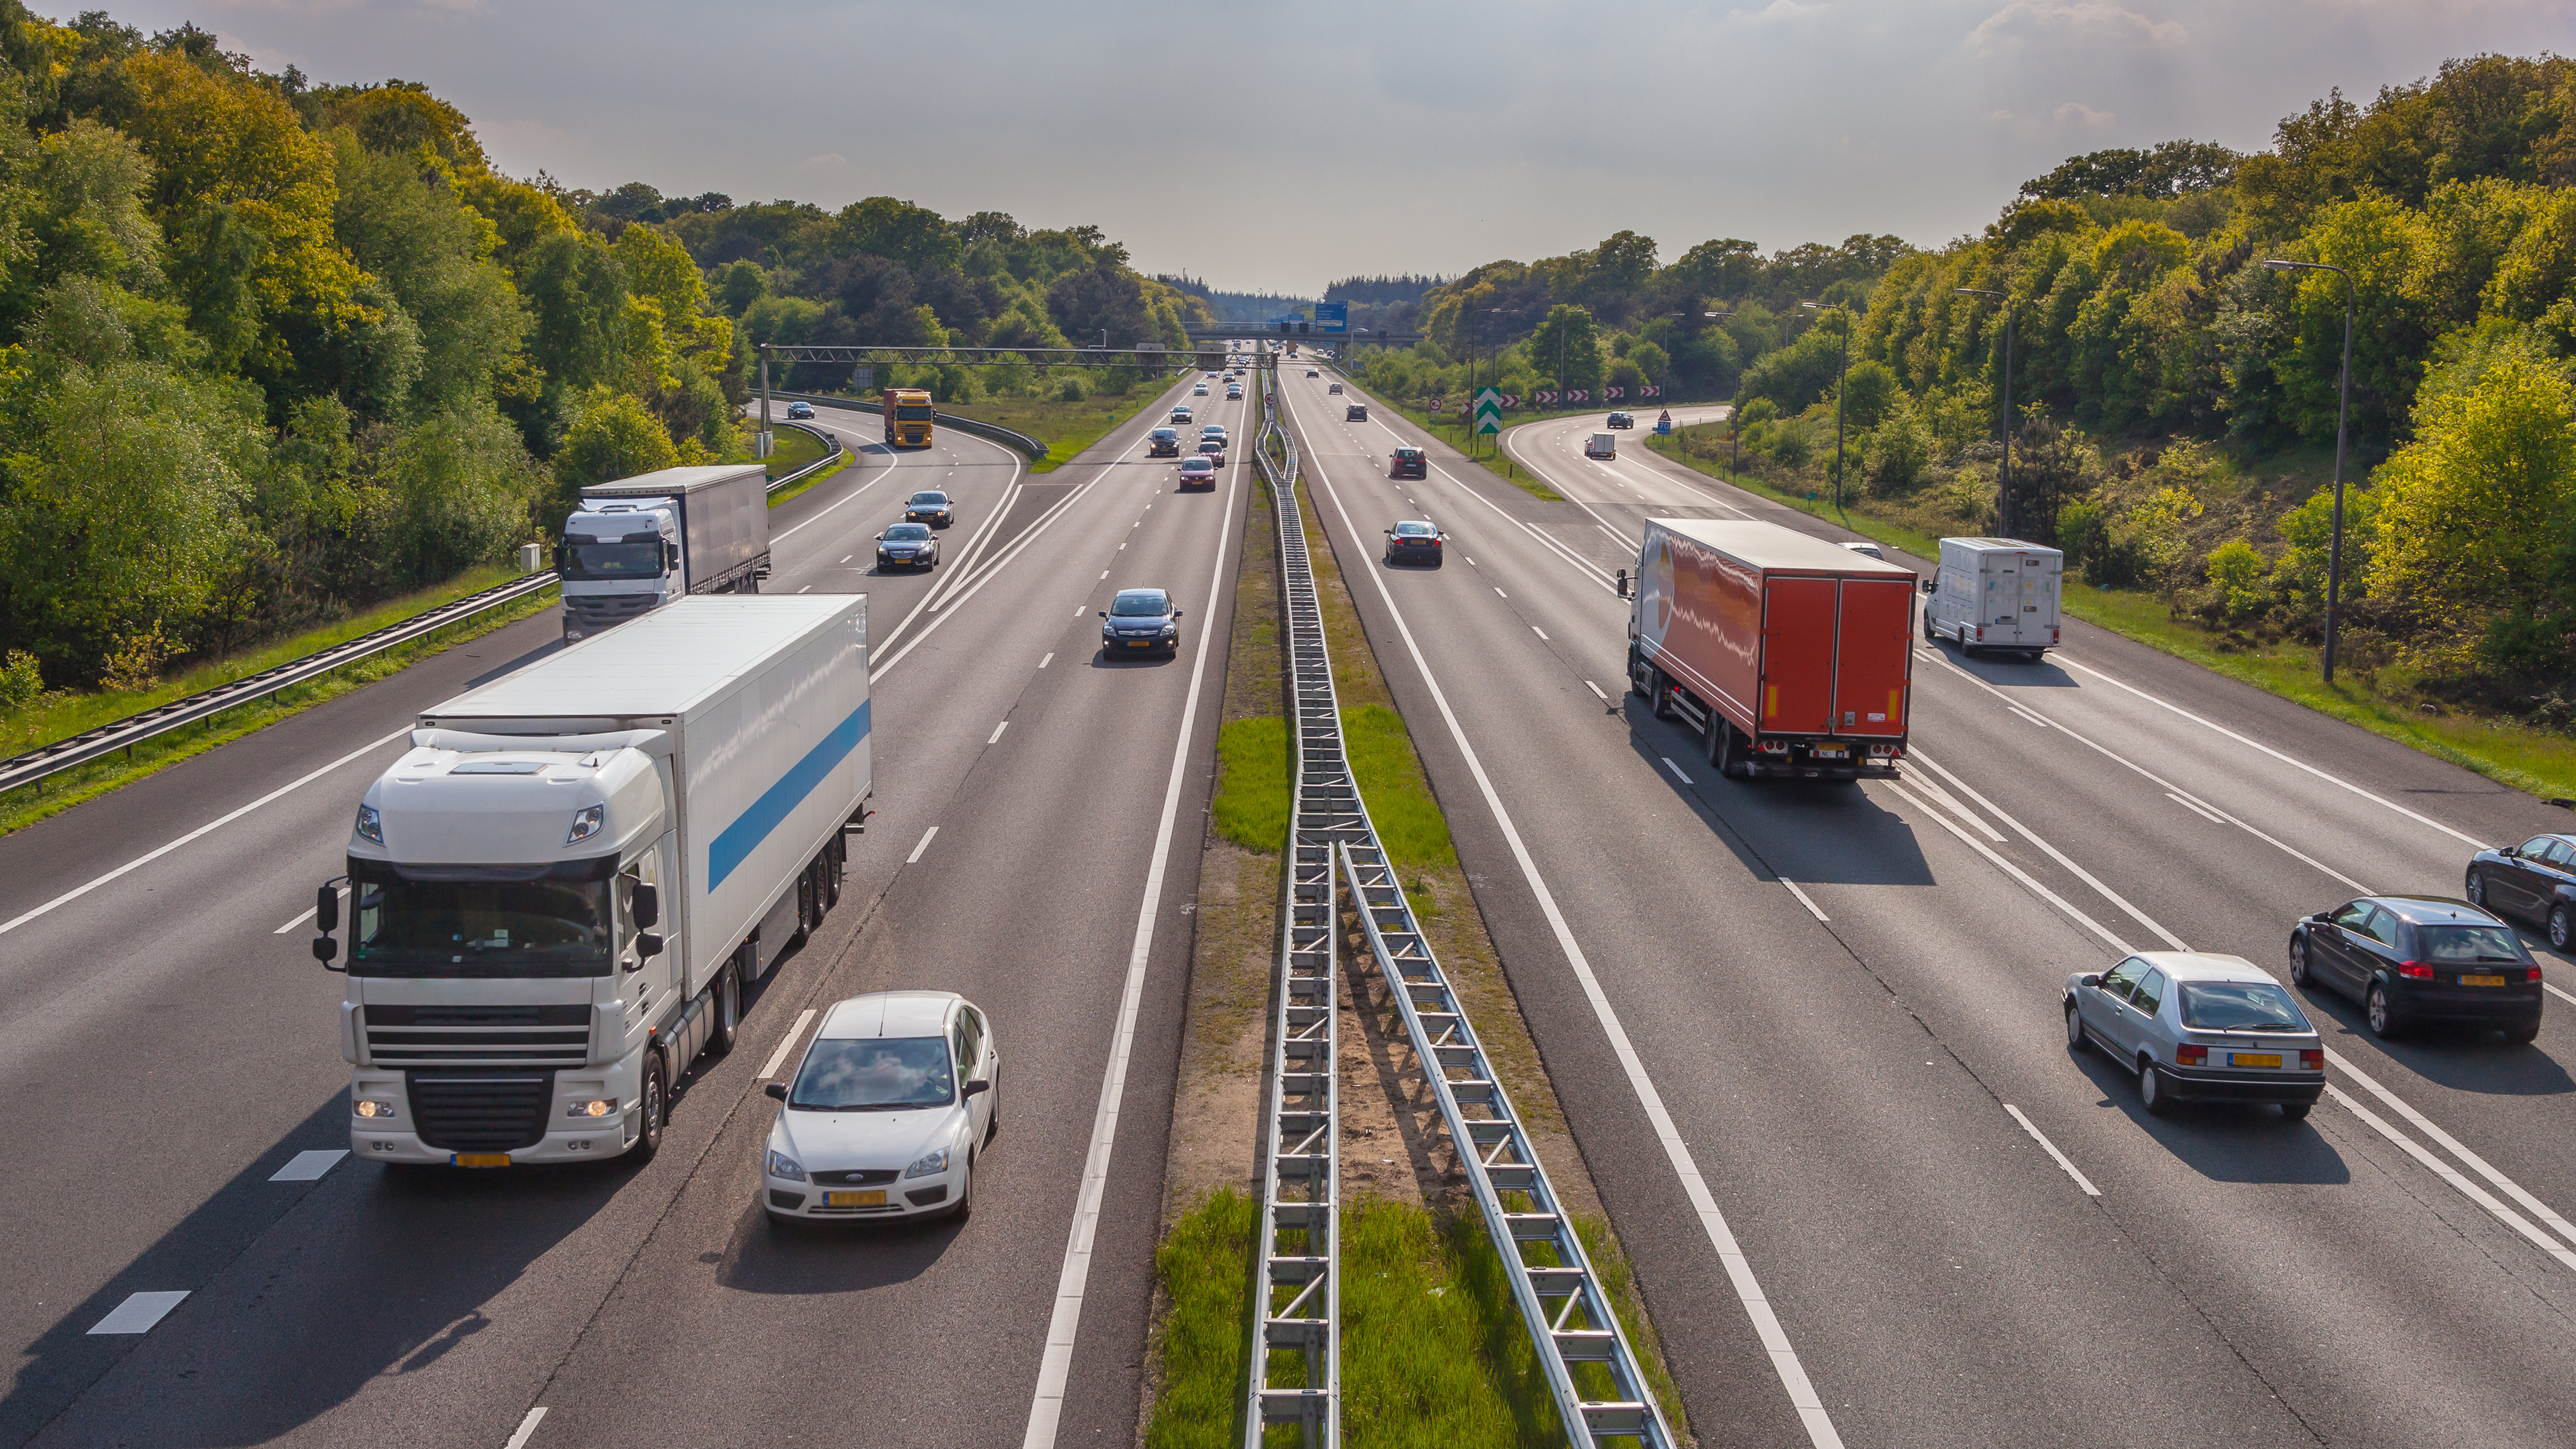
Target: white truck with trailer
[
  {"x": 1995, "y": 593},
  {"x": 633, "y": 545},
  {"x": 558, "y": 894}
]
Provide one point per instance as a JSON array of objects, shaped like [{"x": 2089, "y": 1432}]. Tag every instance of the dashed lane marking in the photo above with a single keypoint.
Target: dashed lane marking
[
  {"x": 139, "y": 1312},
  {"x": 310, "y": 1165}
]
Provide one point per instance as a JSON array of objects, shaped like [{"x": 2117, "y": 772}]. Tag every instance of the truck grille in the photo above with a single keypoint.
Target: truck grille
[
  {"x": 480, "y": 1111},
  {"x": 594, "y": 612},
  {"x": 422, "y": 1036}
]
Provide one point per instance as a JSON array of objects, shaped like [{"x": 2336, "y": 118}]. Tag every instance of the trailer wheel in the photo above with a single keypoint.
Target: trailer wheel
[
  {"x": 804, "y": 904},
  {"x": 1663, "y": 692},
  {"x": 836, "y": 858},
  {"x": 1730, "y": 753}
]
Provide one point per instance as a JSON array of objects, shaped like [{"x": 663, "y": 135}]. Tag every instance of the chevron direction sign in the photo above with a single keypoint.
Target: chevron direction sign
[
  {"x": 1650, "y": 391},
  {"x": 1489, "y": 410},
  {"x": 1543, "y": 398}
]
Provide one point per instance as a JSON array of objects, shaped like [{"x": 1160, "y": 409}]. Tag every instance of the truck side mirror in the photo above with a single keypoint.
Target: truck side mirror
[
  {"x": 326, "y": 909},
  {"x": 1927, "y": 583},
  {"x": 559, "y": 556},
  {"x": 648, "y": 944},
  {"x": 1623, "y": 583},
  {"x": 670, "y": 554},
  {"x": 326, "y": 950},
  {"x": 646, "y": 904}
]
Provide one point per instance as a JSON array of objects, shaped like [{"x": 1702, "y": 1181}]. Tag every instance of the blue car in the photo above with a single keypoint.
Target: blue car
[{"x": 800, "y": 410}]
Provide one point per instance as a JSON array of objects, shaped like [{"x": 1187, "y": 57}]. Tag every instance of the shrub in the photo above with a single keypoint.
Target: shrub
[{"x": 2237, "y": 571}]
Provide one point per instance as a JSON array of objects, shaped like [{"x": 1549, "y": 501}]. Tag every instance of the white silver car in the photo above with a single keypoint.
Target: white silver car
[
  {"x": 2199, "y": 1027},
  {"x": 887, "y": 1112}
]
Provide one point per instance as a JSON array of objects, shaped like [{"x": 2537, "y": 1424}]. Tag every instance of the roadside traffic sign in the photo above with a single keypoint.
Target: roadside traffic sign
[
  {"x": 1650, "y": 391},
  {"x": 1511, "y": 400},
  {"x": 1543, "y": 398},
  {"x": 1489, "y": 410},
  {"x": 1613, "y": 394},
  {"x": 1579, "y": 395}
]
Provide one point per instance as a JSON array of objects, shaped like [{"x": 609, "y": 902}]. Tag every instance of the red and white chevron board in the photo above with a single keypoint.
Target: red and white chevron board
[
  {"x": 1579, "y": 395},
  {"x": 1650, "y": 392},
  {"x": 1511, "y": 399},
  {"x": 1613, "y": 394},
  {"x": 1543, "y": 398}
]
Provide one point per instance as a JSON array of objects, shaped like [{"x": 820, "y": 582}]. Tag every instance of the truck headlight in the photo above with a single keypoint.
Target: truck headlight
[
  {"x": 596, "y": 1107},
  {"x": 785, "y": 1168},
  {"x": 929, "y": 1164},
  {"x": 586, "y": 823},
  {"x": 371, "y": 824},
  {"x": 369, "y": 1107}
]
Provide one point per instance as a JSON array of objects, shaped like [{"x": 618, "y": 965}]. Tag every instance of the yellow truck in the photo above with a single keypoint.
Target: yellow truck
[{"x": 908, "y": 416}]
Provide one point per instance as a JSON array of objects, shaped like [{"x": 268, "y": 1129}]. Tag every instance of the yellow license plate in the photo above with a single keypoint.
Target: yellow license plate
[
  {"x": 2253, "y": 1059},
  {"x": 854, "y": 1199},
  {"x": 2481, "y": 981},
  {"x": 480, "y": 1159}
]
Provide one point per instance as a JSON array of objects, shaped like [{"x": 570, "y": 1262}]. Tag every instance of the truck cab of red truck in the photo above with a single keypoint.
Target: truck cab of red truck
[{"x": 1790, "y": 656}]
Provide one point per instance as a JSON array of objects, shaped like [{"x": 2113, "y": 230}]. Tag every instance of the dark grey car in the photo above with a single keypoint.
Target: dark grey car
[
  {"x": 2535, "y": 880},
  {"x": 1140, "y": 621},
  {"x": 2411, "y": 959}
]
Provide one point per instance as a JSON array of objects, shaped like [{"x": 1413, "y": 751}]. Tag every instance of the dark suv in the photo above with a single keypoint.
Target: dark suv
[
  {"x": 2535, "y": 880},
  {"x": 2410, "y": 959},
  {"x": 1409, "y": 463}
]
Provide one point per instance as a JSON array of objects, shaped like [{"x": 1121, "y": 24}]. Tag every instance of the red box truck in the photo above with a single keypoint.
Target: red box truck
[{"x": 1791, "y": 655}]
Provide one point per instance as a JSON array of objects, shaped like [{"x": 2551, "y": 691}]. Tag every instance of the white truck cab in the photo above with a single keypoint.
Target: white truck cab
[{"x": 1996, "y": 593}]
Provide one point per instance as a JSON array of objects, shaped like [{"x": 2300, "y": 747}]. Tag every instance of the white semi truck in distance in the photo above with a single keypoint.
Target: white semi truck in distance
[
  {"x": 558, "y": 894},
  {"x": 633, "y": 545}
]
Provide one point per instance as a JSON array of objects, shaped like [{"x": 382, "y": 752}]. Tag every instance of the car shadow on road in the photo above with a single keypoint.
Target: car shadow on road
[
  {"x": 2462, "y": 1058},
  {"x": 1823, "y": 831},
  {"x": 2223, "y": 1141},
  {"x": 1103, "y": 659},
  {"x": 804, "y": 1259}
]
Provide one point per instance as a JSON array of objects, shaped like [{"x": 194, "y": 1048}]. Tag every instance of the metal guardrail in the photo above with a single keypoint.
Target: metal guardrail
[
  {"x": 1299, "y": 1275},
  {"x": 49, "y": 760},
  {"x": 831, "y": 449},
  {"x": 134, "y": 729},
  {"x": 995, "y": 431}
]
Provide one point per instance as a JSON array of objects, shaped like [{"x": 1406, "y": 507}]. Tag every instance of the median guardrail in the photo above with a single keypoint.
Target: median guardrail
[{"x": 995, "y": 431}]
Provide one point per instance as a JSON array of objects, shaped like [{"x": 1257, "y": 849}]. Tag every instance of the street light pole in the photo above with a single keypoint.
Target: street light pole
[
  {"x": 2343, "y": 413},
  {"x": 1842, "y": 382},
  {"x": 2003, "y": 482}
]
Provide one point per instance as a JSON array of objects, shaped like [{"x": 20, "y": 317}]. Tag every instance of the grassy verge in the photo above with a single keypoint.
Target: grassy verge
[
  {"x": 2513, "y": 755},
  {"x": 795, "y": 450},
  {"x": 31, "y": 803}
]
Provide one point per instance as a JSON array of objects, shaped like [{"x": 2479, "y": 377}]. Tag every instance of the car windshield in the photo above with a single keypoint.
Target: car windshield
[
  {"x": 640, "y": 560},
  {"x": 480, "y": 921},
  {"x": 1198, "y": 465},
  {"x": 1140, "y": 605},
  {"x": 930, "y": 500},
  {"x": 2239, "y": 1006},
  {"x": 2468, "y": 943},
  {"x": 888, "y": 1074},
  {"x": 907, "y": 533}
]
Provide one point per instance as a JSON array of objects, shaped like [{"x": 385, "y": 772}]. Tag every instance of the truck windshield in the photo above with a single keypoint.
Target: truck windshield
[
  {"x": 912, "y": 413},
  {"x": 613, "y": 560},
  {"x": 480, "y": 921}
]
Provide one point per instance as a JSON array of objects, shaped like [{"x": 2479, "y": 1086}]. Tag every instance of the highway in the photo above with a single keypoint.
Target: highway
[
  {"x": 1808, "y": 1035},
  {"x": 168, "y": 1047}
]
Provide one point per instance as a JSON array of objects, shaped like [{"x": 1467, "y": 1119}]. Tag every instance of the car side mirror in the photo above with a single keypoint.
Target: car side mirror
[
  {"x": 1176, "y": 613},
  {"x": 978, "y": 1085},
  {"x": 1927, "y": 583},
  {"x": 2323, "y": 918},
  {"x": 646, "y": 903},
  {"x": 775, "y": 1091},
  {"x": 2093, "y": 979},
  {"x": 326, "y": 908},
  {"x": 2509, "y": 851},
  {"x": 1104, "y": 613},
  {"x": 880, "y": 538}
]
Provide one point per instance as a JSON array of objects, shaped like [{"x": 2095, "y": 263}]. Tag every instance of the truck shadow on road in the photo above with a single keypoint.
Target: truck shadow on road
[
  {"x": 1826, "y": 831},
  {"x": 2223, "y": 1141}
]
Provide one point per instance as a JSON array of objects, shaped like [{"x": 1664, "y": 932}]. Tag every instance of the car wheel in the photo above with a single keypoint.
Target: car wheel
[
  {"x": 965, "y": 1193},
  {"x": 1928, "y": 636},
  {"x": 728, "y": 1024},
  {"x": 2152, "y": 1093},
  {"x": 2299, "y": 976},
  {"x": 2476, "y": 890},
  {"x": 2296, "y": 1111},
  {"x": 2559, "y": 928},
  {"x": 2076, "y": 1040},
  {"x": 655, "y": 1111},
  {"x": 2523, "y": 1033},
  {"x": 2383, "y": 1020}
]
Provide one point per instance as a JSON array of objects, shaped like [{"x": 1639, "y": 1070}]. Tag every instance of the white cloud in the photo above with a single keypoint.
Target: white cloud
[
  {"x": 2079, "y": 114},
  {"x": 2083, "y": 23}
]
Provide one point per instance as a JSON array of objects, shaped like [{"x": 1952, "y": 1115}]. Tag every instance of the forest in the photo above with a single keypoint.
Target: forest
[
  {"x": 273, "y": 349},
  {"x": 2175, "y": 400}
]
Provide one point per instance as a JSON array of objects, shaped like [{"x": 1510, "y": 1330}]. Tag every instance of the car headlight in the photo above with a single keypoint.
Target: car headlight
[
  {"x": 929, "y": 1164},
  {"x": 586, "y": 823},
  {"x": 1171, "y": 629},
  {"x": 371, "y": 825},
  {"x": 371, "y": 1108},
  {"x": 785, "y": 1168}
]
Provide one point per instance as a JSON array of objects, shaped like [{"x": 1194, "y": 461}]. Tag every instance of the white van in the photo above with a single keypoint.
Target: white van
[
  {"x": 1602, "y": 445},
  {"x": 1996, "y": 593}
]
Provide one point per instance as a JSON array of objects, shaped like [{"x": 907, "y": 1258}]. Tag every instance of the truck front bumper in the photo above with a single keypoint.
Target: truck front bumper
[{"x": 594, "y": 1145}]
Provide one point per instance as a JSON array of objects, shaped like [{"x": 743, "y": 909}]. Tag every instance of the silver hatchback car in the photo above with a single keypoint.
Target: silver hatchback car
[{"x": 2201, "y": 1028}]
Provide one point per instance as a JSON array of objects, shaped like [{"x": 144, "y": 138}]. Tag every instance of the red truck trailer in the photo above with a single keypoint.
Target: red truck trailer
[{"x": 1791, "y": 655}]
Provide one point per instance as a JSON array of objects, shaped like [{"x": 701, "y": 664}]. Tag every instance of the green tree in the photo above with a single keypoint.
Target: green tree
[{"x": 1566, "y": 348}]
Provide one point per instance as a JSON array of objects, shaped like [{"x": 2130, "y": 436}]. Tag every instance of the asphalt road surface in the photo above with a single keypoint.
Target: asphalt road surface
[
  {"x": 168, "y": 1048},
  {"x": 1808, "y": 1034}
]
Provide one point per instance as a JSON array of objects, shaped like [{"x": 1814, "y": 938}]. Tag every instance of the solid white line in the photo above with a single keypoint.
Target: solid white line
[
  {"x": 990, "y": 571},
  {"x": 1934, "y": 792},
  {"x": 2194, "y": 809},
  {"x": 2276, "y": 754},
  {"x": 309, "y": 1166},
  {"x": 1056, "y": 1367},
  {"x": 1616, "y": 537},
  {"x": 778, "y": 1058},
  {"x": 76, "y": 892},
  {"x": 915, "y": 857},
  {"x": 1596, "y": 689},
  {"x": 2451, "y": 1175},
  {"x": 2476, "y": 1163},
  {"x": 2554, "y": 991},
  {"x": 2041, "y": 1138},
  {"x": 997, "y": 732},
  {"x": 1685, "y": 779},
  {"x": 527, "y": 1426},
  {"x": 1050, "y": 656},
  {"x": 139, "y": 1312},
  {"x": 308, "y": 913},
  {"x": 2026, "y": 714},
  {"x": 1739, "y": 1269},
  {"x": 1805, "y": 900},
  {"x": 2055, "y": 854},
  {"x": 2010, "y": 869},
  {"x": 882, "y": 474}
]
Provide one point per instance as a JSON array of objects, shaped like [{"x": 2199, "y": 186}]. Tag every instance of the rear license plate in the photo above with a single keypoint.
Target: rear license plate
[
  {"x": 854, "y": 1199},
  {"x": 2481, "y": 981},
  {"x": 480, "y": 1159},
  {"x": 2253, "y": 1059},
  {"x": 1829, "y": 752}
]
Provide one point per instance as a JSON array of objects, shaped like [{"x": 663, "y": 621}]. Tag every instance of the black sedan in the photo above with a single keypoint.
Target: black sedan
[
  {"x": 2535, "y": 880},
  {"x": 1140, "y": 621},
  {"x": 1414, "y": 541},
  {"x": 929, "y": 506},
  {"x": 2415, "y": 959}
]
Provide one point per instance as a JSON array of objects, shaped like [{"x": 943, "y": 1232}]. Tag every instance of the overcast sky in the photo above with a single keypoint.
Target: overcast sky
[{"x": 1280, "y": 146}]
